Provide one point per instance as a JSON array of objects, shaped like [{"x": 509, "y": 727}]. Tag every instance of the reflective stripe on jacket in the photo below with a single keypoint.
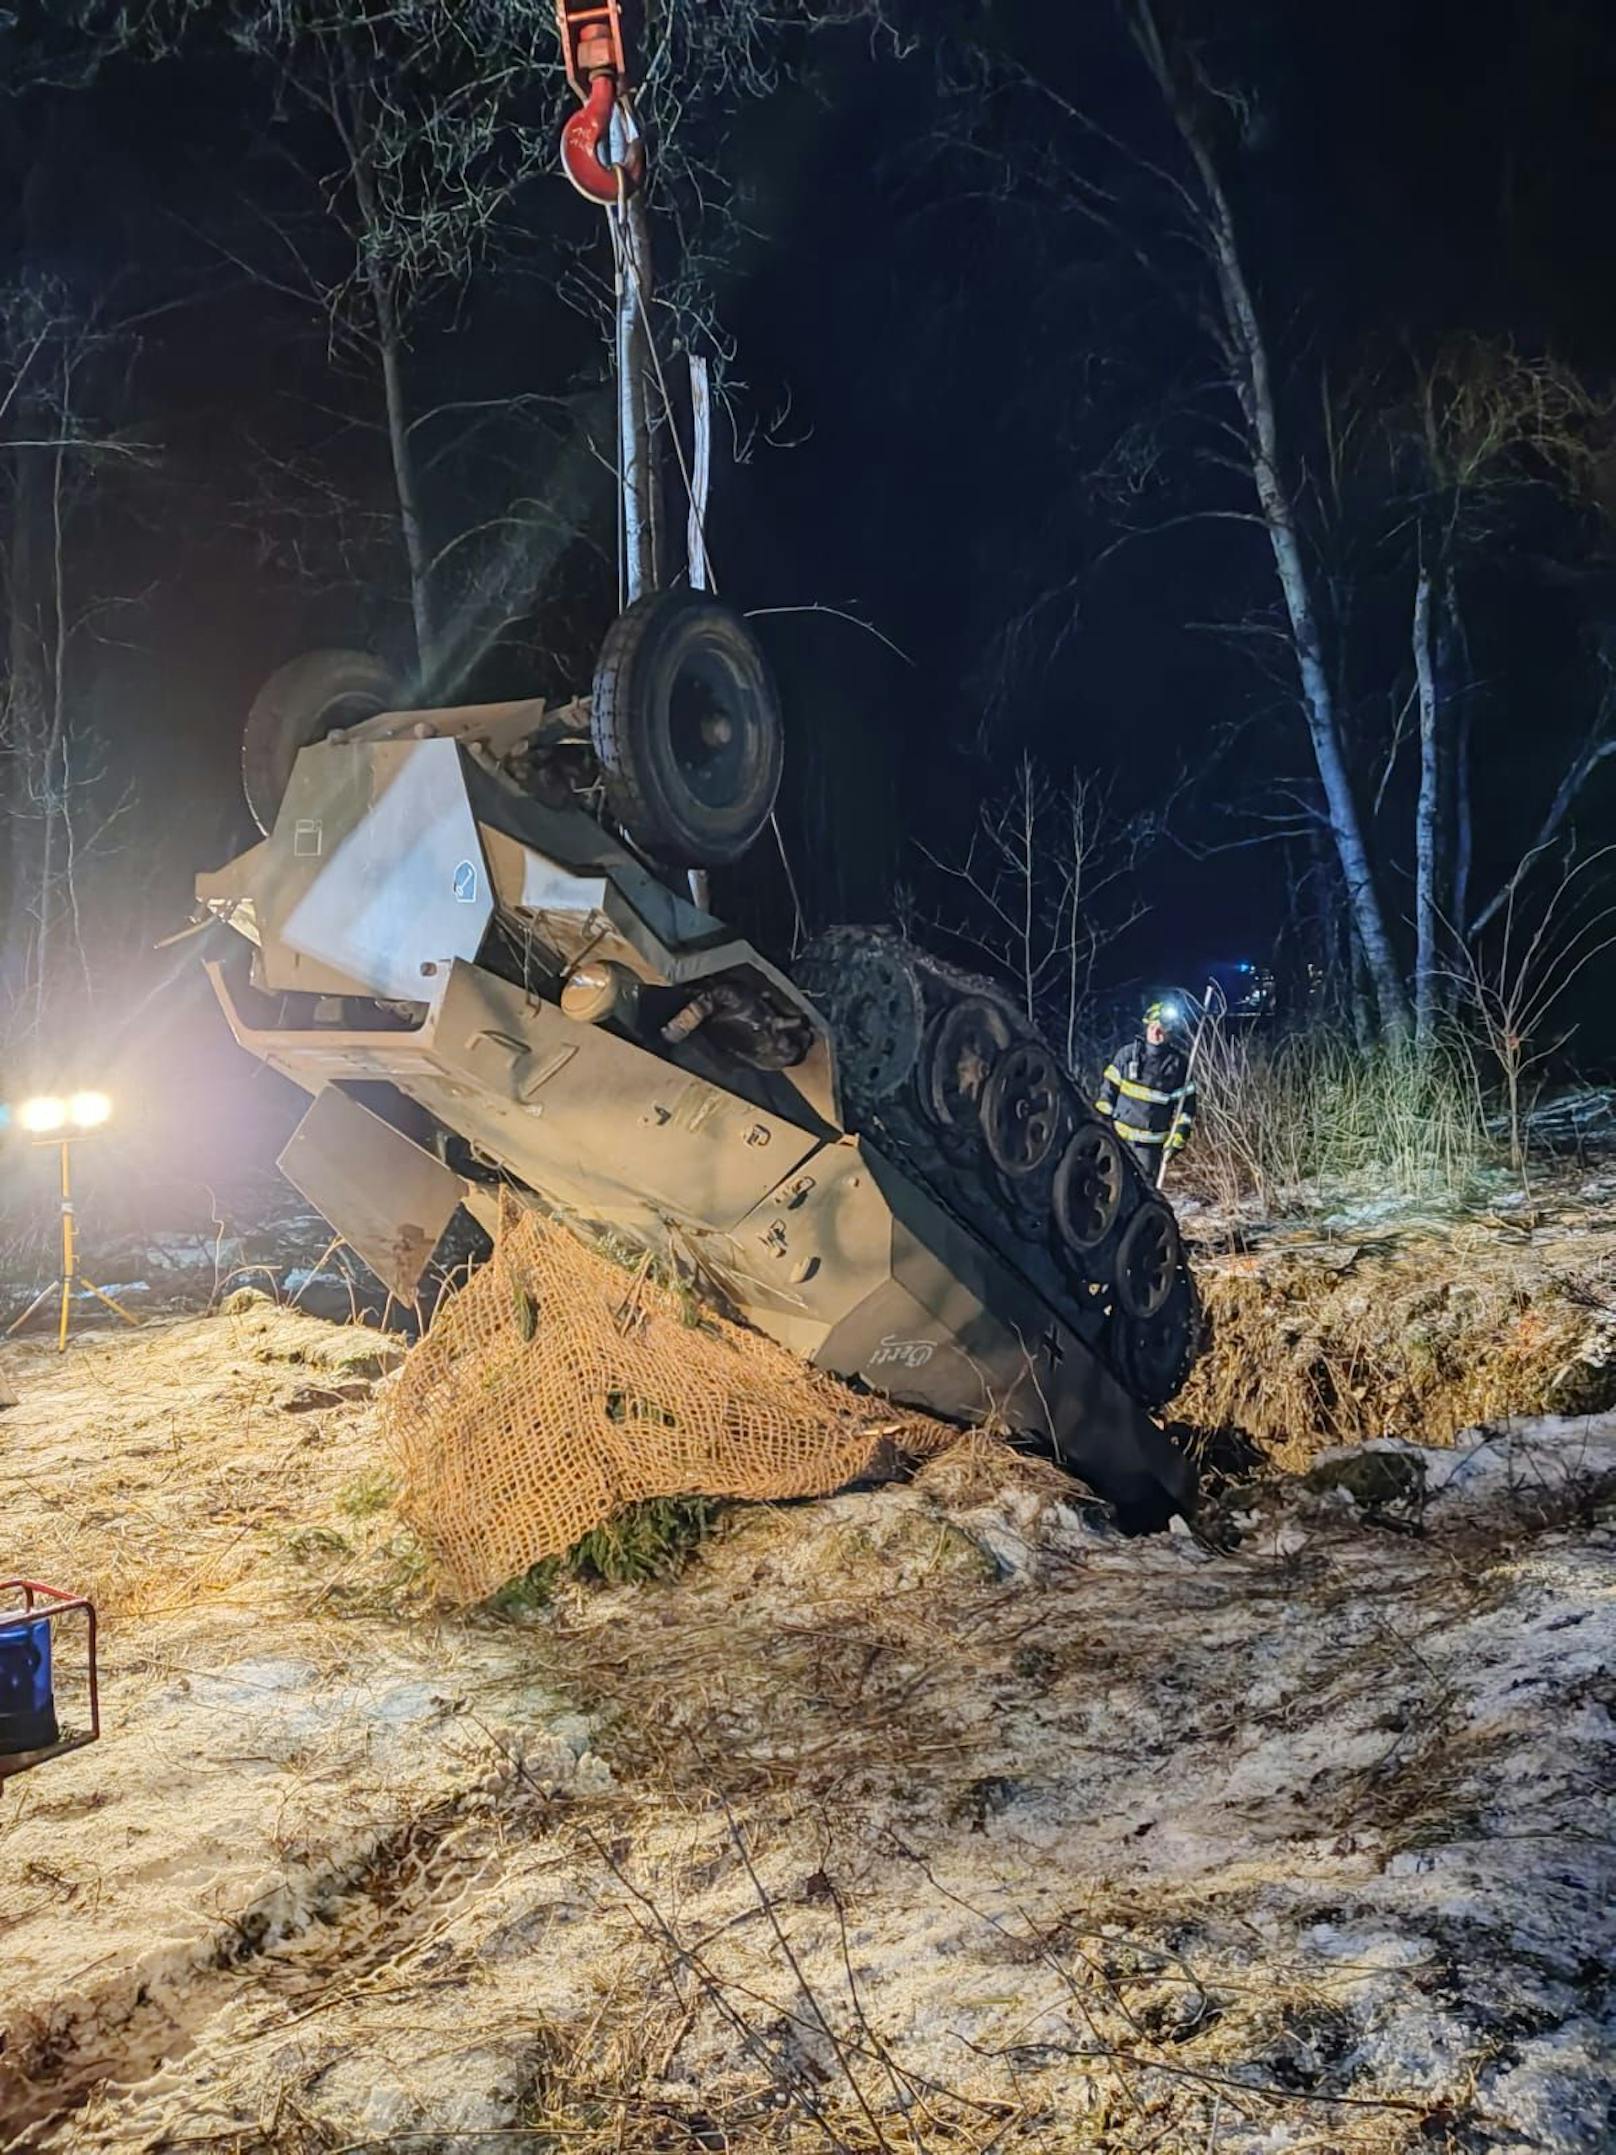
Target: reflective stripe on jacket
[{"x": 1149, "y": 1094}]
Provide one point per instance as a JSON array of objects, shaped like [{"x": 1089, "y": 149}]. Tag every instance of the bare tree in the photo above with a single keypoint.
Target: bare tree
[
  {"x": 1430, "y": 466},
  {"x": 1149, "y": 213},
  {"x": 1514, "y": 984},
  {"x": 1243, "y": 348},
  {"x": 1050, "y": 881},
  {"x": 420, "y": 139},
  {"x": 1482, "y": 424},
  {"x": 56, "y": 455}
]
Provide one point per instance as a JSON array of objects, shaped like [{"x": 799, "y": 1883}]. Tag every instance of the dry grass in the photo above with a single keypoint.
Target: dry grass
[
  {"x": 213, "y": 1492},
  {"x": 1419, "y": 1336},
  {"x": 1287, "y": 1123}
]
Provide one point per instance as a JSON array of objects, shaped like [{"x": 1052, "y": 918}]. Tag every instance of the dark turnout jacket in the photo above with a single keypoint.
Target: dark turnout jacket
[{"x": 1149, "y": 1094}]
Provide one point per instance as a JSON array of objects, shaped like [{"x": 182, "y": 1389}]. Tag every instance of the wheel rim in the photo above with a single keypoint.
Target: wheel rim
[
  {"x": 1026, "y": 1112},
  {"x": 1088, "y": 1188},
  {"x": 712, "y": 732},
  {"x": 1147, "y": 1262},
  {"x": 966, "y": 1044}
]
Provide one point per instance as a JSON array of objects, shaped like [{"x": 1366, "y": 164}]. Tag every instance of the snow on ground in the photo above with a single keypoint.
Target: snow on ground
[{"x": 930, "y": 1817}]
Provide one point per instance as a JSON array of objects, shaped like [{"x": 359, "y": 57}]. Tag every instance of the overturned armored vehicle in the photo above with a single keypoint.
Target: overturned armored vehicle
[{"x": 470, "y": 935}]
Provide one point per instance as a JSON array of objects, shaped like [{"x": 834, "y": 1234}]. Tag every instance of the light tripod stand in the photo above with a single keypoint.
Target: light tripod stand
[{"x": 86, "y": 1110}]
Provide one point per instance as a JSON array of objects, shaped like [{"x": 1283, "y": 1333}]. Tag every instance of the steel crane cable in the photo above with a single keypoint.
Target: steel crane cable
[{"x": 624, "y": 256}]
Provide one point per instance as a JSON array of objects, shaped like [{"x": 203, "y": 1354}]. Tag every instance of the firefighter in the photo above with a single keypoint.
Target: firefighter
[{"x": 1148, "y": 1093}]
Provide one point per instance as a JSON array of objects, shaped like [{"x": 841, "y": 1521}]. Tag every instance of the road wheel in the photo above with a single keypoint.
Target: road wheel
[
  {"x": 1148, "y": 1260},
  {"x": 1090, "y": 1183},
  {"x": 687, "y": 729},
  {"x": 1028, "y": 1110},
  {"x": 961, "y": 1049}
]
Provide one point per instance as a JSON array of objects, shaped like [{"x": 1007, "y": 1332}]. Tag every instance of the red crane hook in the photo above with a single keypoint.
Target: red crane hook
[
  {"x": 583, "y": 144},
  {"x": 592, "y": 48}
]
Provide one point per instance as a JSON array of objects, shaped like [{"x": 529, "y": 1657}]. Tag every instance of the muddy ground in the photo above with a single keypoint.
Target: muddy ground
[{"x": 930, "y": 1817}]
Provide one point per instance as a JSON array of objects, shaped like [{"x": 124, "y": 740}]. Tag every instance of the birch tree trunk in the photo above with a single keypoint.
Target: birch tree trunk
[
  {"x": 1464, "y": 809},
  {"x": 1456, "y": 840},
  {"x": 1362, "y": 997},
  {"x": 701, "y": 464},
  {"x": 641, "y": 517},
  {"x": 1464, "y": 832},
  {"x": 1246, "y": 351},
  {"x": 1427, "y": 818}
]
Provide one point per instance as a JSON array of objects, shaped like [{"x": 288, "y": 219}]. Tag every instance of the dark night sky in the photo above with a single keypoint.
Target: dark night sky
[
  {"x": 1418, "y": 169},
  {"x": 1412, "y": 167}
]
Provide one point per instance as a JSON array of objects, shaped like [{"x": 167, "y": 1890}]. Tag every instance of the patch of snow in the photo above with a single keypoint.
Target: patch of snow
[
  {"x": 1544, "y": 1458},
  {"x": 1560, "y": 2094},
  {"x": 1328, "y": 1815}
]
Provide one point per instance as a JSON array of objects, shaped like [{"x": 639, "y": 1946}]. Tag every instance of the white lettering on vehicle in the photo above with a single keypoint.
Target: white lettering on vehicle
[{"x": 912, "y": 1353}]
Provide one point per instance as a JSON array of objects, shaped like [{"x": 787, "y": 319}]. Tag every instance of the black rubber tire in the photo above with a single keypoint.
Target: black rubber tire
[
  {"x": 305, "y": 700},
  {"x": 678, "y": 669}
]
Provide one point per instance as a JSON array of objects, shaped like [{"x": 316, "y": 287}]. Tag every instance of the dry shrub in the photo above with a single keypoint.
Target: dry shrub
[
  {"x": 1424, "y": 1339},
  {"x": 1291, "y": 1122}
]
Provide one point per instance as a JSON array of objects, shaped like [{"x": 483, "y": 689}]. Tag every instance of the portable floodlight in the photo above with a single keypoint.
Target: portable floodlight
[
  {"x": 47, "y": 1116},
  {"x": 58, "y": 1120}
]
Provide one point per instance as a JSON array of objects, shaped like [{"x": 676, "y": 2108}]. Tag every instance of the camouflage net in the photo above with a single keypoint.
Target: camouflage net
[{"x": 557, "y": 1387}]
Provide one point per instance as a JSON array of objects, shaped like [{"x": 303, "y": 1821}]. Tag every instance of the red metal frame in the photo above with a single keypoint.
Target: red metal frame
[
  {"x": 597, "y": 68},
  {"x": 50, "y": 1602},
  {"x": 591, "y": 39}
]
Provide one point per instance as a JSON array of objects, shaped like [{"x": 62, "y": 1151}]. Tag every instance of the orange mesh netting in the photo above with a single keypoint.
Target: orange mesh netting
[{"x": 556, "y": 1387}]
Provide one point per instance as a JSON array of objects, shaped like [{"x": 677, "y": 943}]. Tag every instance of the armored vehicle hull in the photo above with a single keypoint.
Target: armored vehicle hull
[{"x": 484, "y": 988}]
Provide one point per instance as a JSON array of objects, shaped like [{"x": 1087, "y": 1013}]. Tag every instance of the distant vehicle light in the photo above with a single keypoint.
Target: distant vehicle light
[
  {"x": 43, "y": 1115},
  {"x": 88, "y": 1110}
]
